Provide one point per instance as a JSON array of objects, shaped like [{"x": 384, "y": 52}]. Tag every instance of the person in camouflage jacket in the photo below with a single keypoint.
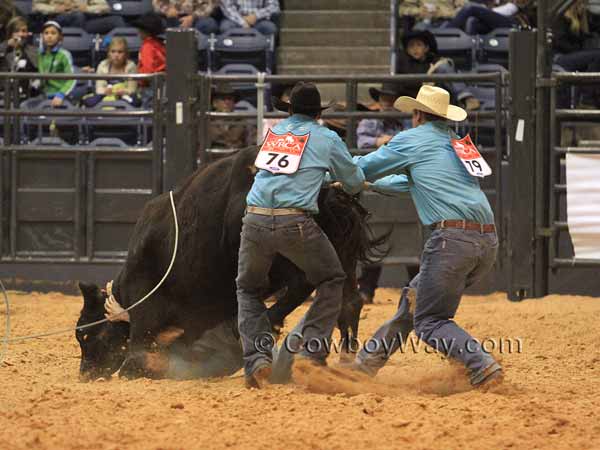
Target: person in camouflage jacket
[
  {"x": 188, "y": 13},
  {"x": 91, "y": 15},
  {"x": 427, "y": 12}
]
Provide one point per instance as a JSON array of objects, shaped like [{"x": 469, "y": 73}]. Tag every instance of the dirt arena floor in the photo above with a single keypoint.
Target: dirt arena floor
[{"x": 550, "y": 398}]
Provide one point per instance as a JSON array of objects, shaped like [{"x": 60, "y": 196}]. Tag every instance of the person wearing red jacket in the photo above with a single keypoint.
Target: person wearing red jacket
[{"x": 152, "y": 56}]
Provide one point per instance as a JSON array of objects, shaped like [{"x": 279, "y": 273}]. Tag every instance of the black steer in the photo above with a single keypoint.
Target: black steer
[{"x": 200, "y": 291}]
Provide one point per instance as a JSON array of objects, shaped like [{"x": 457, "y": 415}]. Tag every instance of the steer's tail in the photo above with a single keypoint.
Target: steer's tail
[{"x": 351, "y": 233}]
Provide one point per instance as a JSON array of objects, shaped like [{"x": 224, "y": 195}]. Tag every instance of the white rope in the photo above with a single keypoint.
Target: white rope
[{"x": 6, "y": 339}]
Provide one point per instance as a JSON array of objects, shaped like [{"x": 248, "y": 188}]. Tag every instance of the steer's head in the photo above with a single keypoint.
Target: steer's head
[{"x": 103, "y": 346}]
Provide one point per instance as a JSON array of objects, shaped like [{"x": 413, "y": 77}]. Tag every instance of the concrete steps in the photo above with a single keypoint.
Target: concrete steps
[
  {"x": 332, "y": 56},
  {"x": 351, "y": 37},
  {"x": 335, "y": 37},
  {"x": 335, "y": 19}
]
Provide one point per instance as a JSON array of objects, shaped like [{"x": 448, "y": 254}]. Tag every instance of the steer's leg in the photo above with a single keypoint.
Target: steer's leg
[{"x": 147, "y": 320}]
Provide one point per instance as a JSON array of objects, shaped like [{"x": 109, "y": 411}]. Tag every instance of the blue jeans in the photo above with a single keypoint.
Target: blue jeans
[
  {"x": 299, "y": 239},
  {"x": 452, "y": 260},
  {"x": 487, "y": 19},
  {"x": 264, "y": 26}
]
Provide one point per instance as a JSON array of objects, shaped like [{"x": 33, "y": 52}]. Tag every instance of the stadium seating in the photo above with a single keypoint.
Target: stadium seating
[
  {"x": 129, "y": 130},
  {"x": 130, "y": 8},
  {"x": 68, "y": 128},
  {"x": 80, "y": 44},
  {"x": 108, "y": 142},
  {"x": 244, "y": 106},
  {"x": 24, "y": 6},
  {"x": 242, "y": 46},
  {"x": 204, "y": 54},
  {"x": 456, "y": 44},
  {"x": 52, "y": 141},
  {"x": 247, "y": 91},
  {"x": 495, "y": 47}
]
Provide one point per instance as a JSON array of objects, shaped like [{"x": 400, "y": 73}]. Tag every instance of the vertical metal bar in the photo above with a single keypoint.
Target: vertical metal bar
[
  {"x": 13, "y": 205},
  {"x": 2, "y": 213},
  {"x": 202, "y": 119},
  {"x": 554, "y": 172},
  {"x": 351, "y": 96},
  {"x": 260, "y": 106},
  {"x": 542, "y": 155},
  {"x": 156, "y": 135},
  {"x": 77, "y": 221},
  {"x": 393, "y": 34},
  {"x": 7, "y": 105},
  {"x": 499, "y": 158},
  {"x": 89, "y": 235}
]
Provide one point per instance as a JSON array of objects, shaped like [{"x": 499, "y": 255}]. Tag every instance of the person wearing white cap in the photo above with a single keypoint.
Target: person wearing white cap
[{"x": 426, "y": 161}]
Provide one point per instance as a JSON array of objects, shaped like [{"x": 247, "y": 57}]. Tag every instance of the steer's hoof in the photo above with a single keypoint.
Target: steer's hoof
[{"x": 133, "y": 367}]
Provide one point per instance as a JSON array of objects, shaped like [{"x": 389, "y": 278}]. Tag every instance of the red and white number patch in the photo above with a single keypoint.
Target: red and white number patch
[
  {"x": 470, "y": 157},
  {"x": 281, "y": 153}
]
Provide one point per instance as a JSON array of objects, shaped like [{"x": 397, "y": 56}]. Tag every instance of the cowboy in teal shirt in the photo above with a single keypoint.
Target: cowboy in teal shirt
[
  {"x": 461, "y": 250},
  {"x": 440, "y": 186},
  {"x": 324, "y": 151},
  {"x": 279, "y": 221}
]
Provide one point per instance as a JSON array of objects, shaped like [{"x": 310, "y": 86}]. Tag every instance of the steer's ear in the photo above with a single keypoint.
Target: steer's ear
[{"x": 91, "y": 294}]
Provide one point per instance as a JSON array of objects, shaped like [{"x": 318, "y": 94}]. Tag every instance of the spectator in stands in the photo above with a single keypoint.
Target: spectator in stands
[
  {"x": 420, "y": 56},
  {"x": 373, "y": 133},
  {"x": 229, "y": 134},
  {"x": 571, "y": 30},
  {"x": 152, "y": 57},
  {"x": 55, "y": 59},
  {"x": 188, "y": 13},
  {"x": 520, "y": 13},
  {"x": 259, "y": 14},
  {"x": 118, "y": 62},
  {"x": 17, "y": 54},
  {"x": 7, "y": 12},
  {"x": 427, "y": 13},
  {"x": 91, "y": 15}
]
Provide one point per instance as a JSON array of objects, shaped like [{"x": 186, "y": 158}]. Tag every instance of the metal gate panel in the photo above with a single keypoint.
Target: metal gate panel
[
  {"x": 45, "y": 204},
  {"x": 119, "y": 185}
]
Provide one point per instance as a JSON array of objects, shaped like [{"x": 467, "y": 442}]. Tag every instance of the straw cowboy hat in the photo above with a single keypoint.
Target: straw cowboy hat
[{"x": 433, "y": 100}]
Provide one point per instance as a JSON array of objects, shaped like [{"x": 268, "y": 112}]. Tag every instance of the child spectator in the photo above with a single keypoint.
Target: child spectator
[
  {"x": 188, "y": 13},
  {"x": 420, "y": 56},
  {"x": 259, "y": 14},
  {"x": 17, "y": 54},
  {"x": 55, "y": 59},
  {"x": 91, "y": 15},
  {"x": 152, "y": 57},
  {"x": 117, "y": 62}
]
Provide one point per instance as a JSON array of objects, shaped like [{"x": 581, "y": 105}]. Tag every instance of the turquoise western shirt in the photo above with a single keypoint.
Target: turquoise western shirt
[
  {"x": 439, "y": 184},
  {"x": 324, "y": 151}
]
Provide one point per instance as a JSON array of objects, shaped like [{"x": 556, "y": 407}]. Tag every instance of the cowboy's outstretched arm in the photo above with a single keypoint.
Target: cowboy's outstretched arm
[
  {"x": 391, "y": 158},
  {"x": 392, "y": 184}
]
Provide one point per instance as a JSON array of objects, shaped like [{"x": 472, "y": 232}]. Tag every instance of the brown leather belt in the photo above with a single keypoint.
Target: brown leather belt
[
  {"x": 465, "y": 225},
  {"x": 274, "y": 211}
]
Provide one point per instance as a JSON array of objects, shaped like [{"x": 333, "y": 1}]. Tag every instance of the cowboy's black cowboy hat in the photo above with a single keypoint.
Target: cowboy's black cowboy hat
[
  {"x": 221, "y": 90},
  {"x": 305, "y": 97},
  {"x": 424, "y": 35},
  {"x": 387, "y": 88},
  {"x": 151, "y": 23}
]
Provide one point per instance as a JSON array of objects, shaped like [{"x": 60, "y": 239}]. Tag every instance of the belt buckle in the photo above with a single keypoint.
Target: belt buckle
[
  {"x": 481, "y": 226},
  {"x": 443, "y": 224},
  {"x": 464, "y": 224}
]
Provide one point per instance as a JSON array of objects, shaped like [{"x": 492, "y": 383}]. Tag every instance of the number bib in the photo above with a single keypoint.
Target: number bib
[
  {"x": 281, "y": 153},
  {"x": 470, "y": 157}
]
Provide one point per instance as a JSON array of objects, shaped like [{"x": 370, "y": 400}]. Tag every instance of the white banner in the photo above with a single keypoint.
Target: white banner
[{"x": 583, "y": 204}]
